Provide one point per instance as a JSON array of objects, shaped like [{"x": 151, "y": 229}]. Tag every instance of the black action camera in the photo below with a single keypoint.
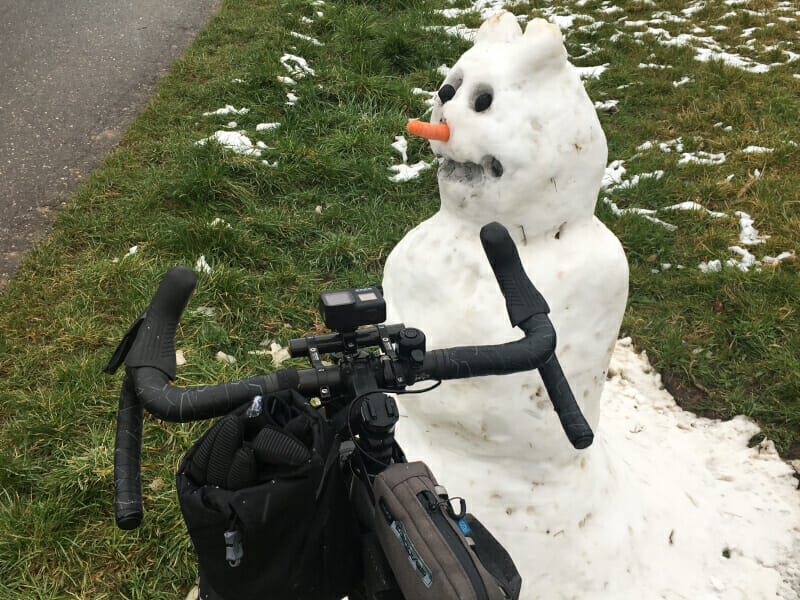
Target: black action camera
[{"x": 347, "y": 310}]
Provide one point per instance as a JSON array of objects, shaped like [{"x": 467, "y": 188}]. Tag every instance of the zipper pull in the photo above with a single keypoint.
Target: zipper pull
[
  {"x": 430, "y": 500},
  {"x": 462, "y": 508}
]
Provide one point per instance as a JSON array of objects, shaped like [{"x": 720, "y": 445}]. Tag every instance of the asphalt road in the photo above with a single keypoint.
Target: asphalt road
[{"x": 73, "y": 75}]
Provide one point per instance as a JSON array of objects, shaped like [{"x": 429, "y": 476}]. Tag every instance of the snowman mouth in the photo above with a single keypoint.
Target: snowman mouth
[{"x": 471, "y": 172}]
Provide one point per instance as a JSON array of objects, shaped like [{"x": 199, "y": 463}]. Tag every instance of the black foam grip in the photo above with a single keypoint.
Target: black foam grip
[
  {"x": 173, "y": 403},
  {"x": 228, "y": 441},
  {"x": 569, "y": 413},
  {"x": 128, "y": 511},
  {"x": 273, "y": 446},
  {"x": 155, "y": 339},
  {"x": 522, "y": 298},
  {"x": 244, "y": 470},
  {"x": 531, "y": 352}
]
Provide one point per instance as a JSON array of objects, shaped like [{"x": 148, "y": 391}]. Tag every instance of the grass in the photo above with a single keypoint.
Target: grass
[{"x": 726, "y": 342}]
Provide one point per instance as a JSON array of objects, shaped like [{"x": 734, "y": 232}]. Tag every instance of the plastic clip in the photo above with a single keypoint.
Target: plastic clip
[{"x": 234, "y": 552}]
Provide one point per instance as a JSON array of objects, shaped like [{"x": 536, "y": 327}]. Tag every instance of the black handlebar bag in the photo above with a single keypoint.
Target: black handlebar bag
[{"x": 264, "y": 501}]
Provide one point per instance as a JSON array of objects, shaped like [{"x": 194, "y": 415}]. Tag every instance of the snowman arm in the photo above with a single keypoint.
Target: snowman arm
[
  {"x": 569, "y": 413},
  {"x": 531, "y": 352},
  {"x": 522, "y": 298},
  {"x": 528, "y": 309}
]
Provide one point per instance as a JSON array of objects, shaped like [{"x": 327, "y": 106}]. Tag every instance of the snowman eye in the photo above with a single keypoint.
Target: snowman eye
[
  {"x": 483, "y": 101},
  {"x": 446, "y": 92}
]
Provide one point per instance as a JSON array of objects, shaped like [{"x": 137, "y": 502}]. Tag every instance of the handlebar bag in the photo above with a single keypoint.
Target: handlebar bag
[
  {"x": 435, "y": 552},
  {"x": 263, "y": 498}
]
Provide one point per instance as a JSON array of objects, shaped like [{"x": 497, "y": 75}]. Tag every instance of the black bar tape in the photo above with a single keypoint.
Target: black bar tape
[
  {"x": 128, "y": 511},
  {"x": 155, "y": 339},
  {"x": 179, "y": 404},
  {"x": 522, "y": 298},
  {"x": 531, "y": 352},
  {"x": 569, "y": 413}
]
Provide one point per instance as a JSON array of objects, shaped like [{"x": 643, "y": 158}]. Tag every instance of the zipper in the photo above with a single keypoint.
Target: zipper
[{"x": 431, "y": 504}]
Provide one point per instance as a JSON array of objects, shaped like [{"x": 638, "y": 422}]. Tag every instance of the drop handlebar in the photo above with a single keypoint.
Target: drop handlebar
[{"x": 148, "y": 352}]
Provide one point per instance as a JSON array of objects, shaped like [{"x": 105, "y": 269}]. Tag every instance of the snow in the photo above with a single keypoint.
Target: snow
[
  {"x": 682, "y": 81},
  {"x": 563, "y": 21},
  {"x": 783, "y": 256},
  {"x": 201, "y": 266},
  {"x": 226, "y": 358},
  {"x": 592, "y": 72},
  {"x": 401, "y": 145},
  {"x": 664, "y": 504},
  {"x": 745, "y": 261},
  {"x": 227, "y": 110},
  {"x": 695, "y": 206},
  {"x": 218, "y": 222},
  {"x": 297, "y": 66},
  {"x": 629, "y": 183},
  {"x": 606, "y": 105},
  {"x": 748, "y": 235},
  {"x": 408, "y": 172},
  {"x": 702, "y": 158},
  {"x": 267, "y": 126},
  {"x": 277, "y": 353},
  {"x": 757, "y": 150},
  {"x": 431, "y": 96},
  {"x": 714, "y": 266},
  {"x": 233, "y": 140},
  {"x": 460, "y": 31},
  {"x": 307, "y": 38}
]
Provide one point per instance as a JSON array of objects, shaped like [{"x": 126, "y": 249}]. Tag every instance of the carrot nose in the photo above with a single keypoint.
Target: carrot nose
[{"x": 430, "y": 131}]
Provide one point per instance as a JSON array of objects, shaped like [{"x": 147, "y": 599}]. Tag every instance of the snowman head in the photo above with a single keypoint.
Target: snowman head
[{"x": 518, "y": 138}]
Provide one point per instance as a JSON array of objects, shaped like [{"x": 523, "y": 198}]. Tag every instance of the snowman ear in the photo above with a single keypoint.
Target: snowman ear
[
  {"x": 540, "y": 27},
  {"x": 499, "y": 28},
  {"x": 544, "y": 42}
]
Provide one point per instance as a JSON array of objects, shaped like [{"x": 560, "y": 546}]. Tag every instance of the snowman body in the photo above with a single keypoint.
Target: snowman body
[
  {"x": 663, "y": 504},
  {"x": 533, "y": 159},
  {"x": 445, "y": 287}
]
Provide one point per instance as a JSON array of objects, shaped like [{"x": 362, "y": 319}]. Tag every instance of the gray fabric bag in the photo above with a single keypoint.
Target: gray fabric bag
[{"x": 435, "y": 553}]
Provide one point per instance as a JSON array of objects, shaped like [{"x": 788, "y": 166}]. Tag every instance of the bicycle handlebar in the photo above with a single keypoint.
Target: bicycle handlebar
[
  {"x": 523, "y": 302},
  {"x": 148, "y": 351}
]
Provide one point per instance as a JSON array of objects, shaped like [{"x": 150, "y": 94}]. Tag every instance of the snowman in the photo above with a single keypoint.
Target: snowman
[{"x": 518, "y": 141}]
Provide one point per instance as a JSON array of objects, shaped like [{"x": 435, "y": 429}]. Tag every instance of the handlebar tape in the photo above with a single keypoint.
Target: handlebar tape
[
  {"x": 179, "y": 404},
  {"x": 128, "y": 510},
  {"x": 522, "y": 298},
  {"x": 155, "y": 339},
  {"x": 531, "y": 352},
  {"x": 569, "y": 413}
]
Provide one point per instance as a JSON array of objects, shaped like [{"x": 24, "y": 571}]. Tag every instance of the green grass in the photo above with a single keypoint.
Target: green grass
[{"x": 727, "y": 342}]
